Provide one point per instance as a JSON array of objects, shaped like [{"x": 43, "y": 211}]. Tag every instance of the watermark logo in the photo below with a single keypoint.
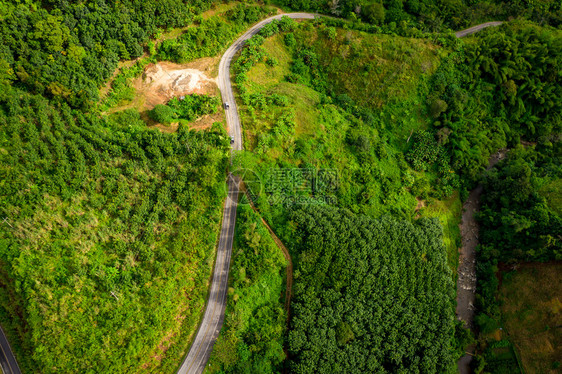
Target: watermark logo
[
  {"x": 300, "y": 186},
  {"x": 289, "y": 186},
  {"x": 250, "y": 183}
]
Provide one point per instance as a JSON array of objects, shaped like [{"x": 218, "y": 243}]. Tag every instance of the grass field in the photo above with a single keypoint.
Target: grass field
[{"x": 531, "y": 307}]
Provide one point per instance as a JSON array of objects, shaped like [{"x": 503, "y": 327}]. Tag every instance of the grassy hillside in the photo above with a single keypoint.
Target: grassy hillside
[
  {"x": 108, "y": 237},
  {"x": 251, "y": 341},
  {"x": 313, "y": 139},
  {"x": 304, "y": 109}
]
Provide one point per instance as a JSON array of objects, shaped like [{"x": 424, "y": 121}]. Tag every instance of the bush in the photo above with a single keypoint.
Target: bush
[
  {"x": 437, "y": 107},
  {"x": 162, "y": 114},
  {"x": 271, "y": 61}
]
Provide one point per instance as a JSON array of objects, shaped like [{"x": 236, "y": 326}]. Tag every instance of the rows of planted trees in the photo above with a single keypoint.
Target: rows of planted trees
[
  {"x": 65, "y": 50},
  {"x": 108, "y": 227},
  {"x": 107, "y": 230},
  {"x": 370, "y": 295}
]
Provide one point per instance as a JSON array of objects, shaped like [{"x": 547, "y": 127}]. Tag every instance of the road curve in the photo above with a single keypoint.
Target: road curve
[
  {"x": 212, "y": 321},
  {"x": 7, "y": 360},
  {"x": 213, "y": 318},
  {"x": 473, "y": 29}
]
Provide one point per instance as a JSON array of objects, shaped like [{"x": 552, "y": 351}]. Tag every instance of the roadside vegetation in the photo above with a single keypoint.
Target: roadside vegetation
[
  {"x": 208, "y": 36},
  {"x": 108, "y": 228},
  {"x": 252, "y": 337},
  {"x": 108, "y": 235},
  {"x": 310, "y": 139}
]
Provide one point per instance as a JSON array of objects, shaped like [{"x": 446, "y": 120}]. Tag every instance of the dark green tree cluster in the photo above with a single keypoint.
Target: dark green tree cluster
[
  {"x": 369, "y": 295},
  {"x": 65, "y": 50},
  {"x": 98, "y": 238},
  {"x": 188, "y": 108},
  {"x": 518, "y": 222},
  {"x": 432, "y": 14},
  {"x": 212, "y": 35},
  {"x": 521, "y": 64},
  {"x": 503, "y": 87},
  {"x": 519, "y": 218},
  {"x": 193, "y": 106}
]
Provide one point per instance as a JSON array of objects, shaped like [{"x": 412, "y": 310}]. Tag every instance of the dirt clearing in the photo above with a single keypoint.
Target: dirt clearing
[{"x": 164, "y": 80}]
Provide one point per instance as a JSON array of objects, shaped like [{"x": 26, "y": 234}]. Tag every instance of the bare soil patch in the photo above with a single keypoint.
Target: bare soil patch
[{"x": 162, "y": 81}]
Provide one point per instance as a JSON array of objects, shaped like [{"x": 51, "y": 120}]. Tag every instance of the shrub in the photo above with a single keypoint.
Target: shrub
[
  {"x": 162, "y": 113},
  {"x": 437, "y": 107}
]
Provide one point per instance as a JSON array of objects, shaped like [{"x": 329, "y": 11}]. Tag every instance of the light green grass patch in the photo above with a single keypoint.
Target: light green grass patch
[
  {"x": 552, "y": 192},
  {"x": 449, "y": 214}
]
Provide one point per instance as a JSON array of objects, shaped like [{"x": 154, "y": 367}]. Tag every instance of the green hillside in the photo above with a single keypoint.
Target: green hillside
[
  {"x": 108, "y": 238},
  {"x": 363, "y": 131}
]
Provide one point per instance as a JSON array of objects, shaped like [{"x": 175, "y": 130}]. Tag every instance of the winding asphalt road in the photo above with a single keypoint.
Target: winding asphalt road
[
  {"x": 213, "y": 318},
  {"x": 214, "y": 314},
  {"x": 473, "y": 29}
]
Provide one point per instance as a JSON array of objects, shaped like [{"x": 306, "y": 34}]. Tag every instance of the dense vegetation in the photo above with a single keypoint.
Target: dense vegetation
[
  {"x": 107, "y": 228},
  {"x": 251, "y": 340},
  {"x": 315, "y": 100},
  {"x": 503, "y": 86},
  {"x": 370, "y": 295},
  {"x": 519, "y": 223},
  {"x": 431, "y": 14},
  {"x": 299, "y": 136},
  {"x": 65, "y": 50},
  {"x": 290, "y": 125},
  {"x": 207, "y": 37},
  {"x": 211, "y": 35},
  {"x": 186, "y": 108},
  {"x": 103, "y": 233}
]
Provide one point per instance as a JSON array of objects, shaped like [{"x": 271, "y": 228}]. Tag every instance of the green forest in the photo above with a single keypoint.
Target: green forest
[
  {"x": 371, "y": 295},
  {"x": 375, "y": 123},
  {"x": 106, "y": 231},
  {"x": 364, "y": 132}
]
